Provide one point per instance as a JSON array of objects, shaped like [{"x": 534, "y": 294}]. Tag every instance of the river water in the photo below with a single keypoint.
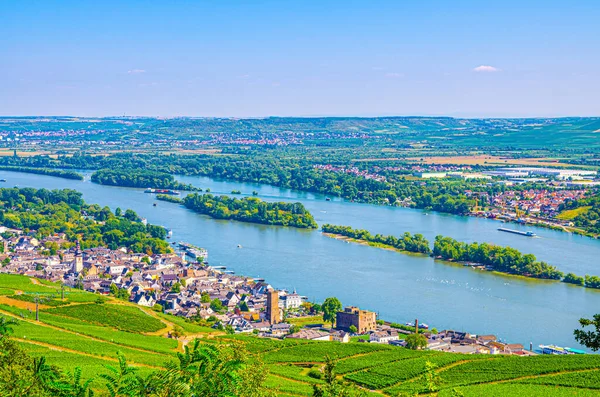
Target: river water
[{"x": 399, "y": 287}]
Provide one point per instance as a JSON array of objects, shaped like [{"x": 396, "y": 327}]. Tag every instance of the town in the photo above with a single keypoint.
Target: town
[{"x": 184, "y": 284}]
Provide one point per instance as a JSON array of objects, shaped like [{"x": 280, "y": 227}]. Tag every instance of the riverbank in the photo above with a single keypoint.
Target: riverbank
[
  {"x": 44, "y": 171},
  {"x": 372, "y": 244}
]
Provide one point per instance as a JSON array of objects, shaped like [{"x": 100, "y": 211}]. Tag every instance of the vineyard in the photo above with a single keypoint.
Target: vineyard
[{"x": 87, "y": 330}]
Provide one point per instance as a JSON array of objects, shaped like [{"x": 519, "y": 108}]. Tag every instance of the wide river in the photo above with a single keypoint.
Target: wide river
[{"x": 399, "y": 287}]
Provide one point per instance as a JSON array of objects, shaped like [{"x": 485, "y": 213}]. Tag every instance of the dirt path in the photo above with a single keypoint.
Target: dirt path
[{"x": 6, "y": 300}]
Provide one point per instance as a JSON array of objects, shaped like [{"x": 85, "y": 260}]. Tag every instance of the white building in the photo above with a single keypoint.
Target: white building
[
  {"x": 383, "y": 336},
  {"x": 290, "y": 301}
]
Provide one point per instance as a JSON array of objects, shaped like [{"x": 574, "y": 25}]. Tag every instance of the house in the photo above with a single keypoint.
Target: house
[
  {"x": 340, "y": 336},
  {"x": 290, "y": 301},
  {"x": 485, "y": 339},
  {"x": 438, "y": 342},
  {"x": 383, "y": 336},
  {"x": 144, "y": 300},
  {"x": 513, "y": 348},
  {"x": 310, "y": 334},
  {"x": 281, "y": 329},
  {"x": 262, "y": 326}
]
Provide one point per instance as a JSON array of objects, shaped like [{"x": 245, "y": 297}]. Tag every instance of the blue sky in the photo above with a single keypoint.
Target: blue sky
[{"x": 300, "y": 58}]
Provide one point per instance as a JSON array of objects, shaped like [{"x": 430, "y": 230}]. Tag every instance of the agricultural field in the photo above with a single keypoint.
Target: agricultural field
[
  {"x": 568, "y": 215},
  {"x": 89, "y": 335},
  {"x": 125, "y": 318},
  {"x": 488, "y": 160}
]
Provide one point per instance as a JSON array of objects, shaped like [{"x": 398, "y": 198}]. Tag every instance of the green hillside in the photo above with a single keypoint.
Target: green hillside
[{"x": 86, "y": 330}]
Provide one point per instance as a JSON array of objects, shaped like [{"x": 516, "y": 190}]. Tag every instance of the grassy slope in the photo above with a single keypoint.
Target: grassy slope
[
  {"x": 71, "y": 338},
  {"x": 567, "y": 215}
]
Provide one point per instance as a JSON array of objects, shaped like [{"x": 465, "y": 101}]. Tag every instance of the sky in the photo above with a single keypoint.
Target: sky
[{"x": 506, "y": 58}]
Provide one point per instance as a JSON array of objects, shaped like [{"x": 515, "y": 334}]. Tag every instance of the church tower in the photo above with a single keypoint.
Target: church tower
[{"x": 78, "y": 262}]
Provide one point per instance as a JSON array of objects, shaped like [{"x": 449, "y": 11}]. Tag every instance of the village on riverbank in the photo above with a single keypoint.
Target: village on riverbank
[{"x": 184, "y": 284}]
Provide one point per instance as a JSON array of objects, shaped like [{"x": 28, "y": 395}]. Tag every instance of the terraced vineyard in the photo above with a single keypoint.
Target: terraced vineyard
[{"x": 81, "y": 331}]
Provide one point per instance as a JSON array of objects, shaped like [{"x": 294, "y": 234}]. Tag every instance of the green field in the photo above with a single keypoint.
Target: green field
[
  {"x": 568, "y": 215},
  {"x": 89, "y": 335},
  {"x": 125, "y": 318}
]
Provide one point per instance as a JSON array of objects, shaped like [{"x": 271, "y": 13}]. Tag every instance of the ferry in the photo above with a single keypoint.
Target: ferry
[
  {"x": 162, "y": 191},
  {"x": 193, "y": 252},
  {"x": 527, "y": 234},
  {"x": 552, "y": 349}
]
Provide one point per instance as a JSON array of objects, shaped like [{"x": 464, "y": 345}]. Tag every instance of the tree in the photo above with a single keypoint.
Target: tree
[
  {"x": 6, "y": 325},
  {"x": 176, "y": 288},
  {"x": 216, "y": 305},
  {"x": 416, "y": 341},
  {"x": 113, "y": 289},
  {"x": 205, "y": 297},
  {"x": 590, "y": 339},
  {"x": 431, "y": 377},
  {"x": 121, "y": 381},
  {"x": 330, "y": 308},
  {"x": 5, "y": 261},
  {"x": 353, "y": 329},
  {"x": 333, "y": 387},
  {"x": 244, "y": 306},
  {"x": 177, "y": 332},
  {"x": 72, "y": 385}
]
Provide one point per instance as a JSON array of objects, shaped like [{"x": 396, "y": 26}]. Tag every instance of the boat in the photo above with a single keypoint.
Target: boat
[
  {"x": 527, "y": 233},
  {"x": 552, "y": 349},
  {"x": 169, "y": 233},
  {"x": 239, "y": 246},
  {"x": 2, "y": 180},
  {"x": 162, "y": 191},
  {"x": 327, "y": 199},
  {"x": 154, "y": 205}
]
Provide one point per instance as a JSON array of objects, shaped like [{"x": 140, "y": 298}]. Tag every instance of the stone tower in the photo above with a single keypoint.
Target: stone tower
[{"x": 273, "y": 307}]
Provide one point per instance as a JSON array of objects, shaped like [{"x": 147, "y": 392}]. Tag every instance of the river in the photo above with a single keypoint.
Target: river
[{"x": 399, "y": 287}]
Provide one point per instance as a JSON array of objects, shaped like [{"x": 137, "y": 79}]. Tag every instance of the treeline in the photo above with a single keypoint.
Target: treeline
[
  {"x": 44, "y": 171},
  {"x": 587, "y": 281},
  {"x": 43, "y": 213},
  {"x": 128, "y": 177},
  {"x": 502, "y": 259},
  {"x": 169, "y": 198},
  {"x": 444, "y": 196},
  {"x": 407, "y": 242},
  {"x": 250, "y": 209}
]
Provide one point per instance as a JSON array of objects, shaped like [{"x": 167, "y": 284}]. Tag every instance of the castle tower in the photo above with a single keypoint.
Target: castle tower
[{"x": 273, "y": 307}]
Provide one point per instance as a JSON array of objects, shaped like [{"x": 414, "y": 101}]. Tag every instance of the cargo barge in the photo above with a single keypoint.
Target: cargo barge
[{"x": 527, "y": 234}]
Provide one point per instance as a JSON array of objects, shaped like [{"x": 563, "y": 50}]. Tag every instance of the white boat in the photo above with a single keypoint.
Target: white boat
[{"x": 552, "y": 349}]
